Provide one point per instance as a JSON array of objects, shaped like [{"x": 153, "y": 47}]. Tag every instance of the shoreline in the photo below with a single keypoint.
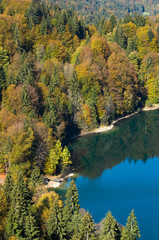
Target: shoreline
[
  {"x": 57, "y": 180},
  {"x": 106, "y": 128}
]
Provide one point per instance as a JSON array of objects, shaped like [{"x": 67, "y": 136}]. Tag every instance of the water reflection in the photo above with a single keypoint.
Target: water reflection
[{"x": 133, "y": 139}]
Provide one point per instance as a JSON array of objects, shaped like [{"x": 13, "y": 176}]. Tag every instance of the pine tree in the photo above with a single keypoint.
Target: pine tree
[
  {"x": 150, "y": 35},
  {"x": 110, "y": 229},
  {"x": 75, "y": 226},
  {"x": 8, "y": 187},
  {"x": 25, "y": 99},
  {"x": 34, "y": 13},
  {"x": 31, "y": 229},
  {"x": 131, "y": 230},
  {"x": 131, "y": 47},
  {"x": 20, "y": 201},
  {"x": 113, "y": 21},
  {"x": 73, "y": 86},
  {"x": 49, "y": 116},
  {"x": 127, "y": 18},
  {"x": 72, "y": 200},
  {"x": 87, "y": 228},
  {"x": 17, "y": 37},
  {"x": 55, "y": 225},
  {"x": 120, "y": 37},
  {"x": 158, "y": 32},
  {"x": 71, "y": 207},
  {"x": 3, "y": 212}
]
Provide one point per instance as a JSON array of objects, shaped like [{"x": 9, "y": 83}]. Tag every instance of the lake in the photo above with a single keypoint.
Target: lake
[{"x": 119, "y": 171}]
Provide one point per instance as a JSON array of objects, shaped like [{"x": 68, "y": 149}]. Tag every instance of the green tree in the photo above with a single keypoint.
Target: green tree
[
  {"x": 71, "y": 207},
  {"x": 87, "y": 228},
  {"x": 150, "y": 35},
  {"x": 17, "y": 37},
  {"x": 73, "y": 86},
  {"x": 4, "y": 61},
  {"x": 75, "y": 226},
  {"x": 131, "y": 47},
  {"x": 3, "y": 212},
  {"x": 110, "y": 230},
  {"x": 49, "y": 116},
  {"x": 8, "y": 187},
  {"x": 120, "y": 37},
  {"x": 34, "y": 13},
  {"x": 31, "y": 229},
  {"x": 113, "y": 21},
  {"x": 158, "y": 32},
  {"x": 55, "y": 225},
  {"x": 27, "y": 72},
  {"x": 66, "y": 157},
  {"x": 20, "y": 201},
  {"x": 131, "y": 230},
  {"x": 58, "y": 157},
  {"x": 55, "y": 156},
  {"x": 72, "y": 200},
  {"x": 25, "y": 99}
]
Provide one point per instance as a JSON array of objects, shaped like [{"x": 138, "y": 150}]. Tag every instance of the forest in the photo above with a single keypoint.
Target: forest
[
  {"x": 60, "y": 76},
  {"x": 92, "y": 10}
]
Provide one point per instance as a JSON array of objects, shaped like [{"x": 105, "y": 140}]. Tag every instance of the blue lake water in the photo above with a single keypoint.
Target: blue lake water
[{"x": 119, "y": 171}]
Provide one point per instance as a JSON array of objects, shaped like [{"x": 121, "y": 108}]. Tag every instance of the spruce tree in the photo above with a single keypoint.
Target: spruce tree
[
  {"x": 31, "y": 229},
  {"x": 72, "y": 200},
  {"x": 87, "y": 228},
  {"x": 150, "y": 35},
  {"x": 49, "y": 116},
  {"x": 25, "y": 99},
  {"x": 75, "y": 226},
  {"x": 131, "y": 230},
  {"x": 120, "y": 37},
  {"x": 3, "y": 212},
  {"x": 110, "y": 229},
  {"x": 71, "y": 207},
  {"x": 20, "y": 201},
  {"x": 55, "y": 225},
  {"x": 8, "y": 187},
  {"x": 73, "y": 86},
  {"x": 131, "y": 47},
  {"x": 113, "y": 20},
  {"x": 158, "y": 32}
]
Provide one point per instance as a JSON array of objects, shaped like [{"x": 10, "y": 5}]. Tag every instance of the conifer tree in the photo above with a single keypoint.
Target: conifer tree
[
  {"x": 8, "y": 186},
  {"x": 71, "y": 207},
  {"x": 131, "y": 47},
  {"x": 72, "y": 200},
  {"x": 31, "y": 229},
  {"x": 75, "y": 226},
  {"x": 110, "y": 229},
  {"x": 87, "y": 228},
  {"x": 3, "y": 212},
  {"x": 131, "y": 230},
  {"x": 158, "y": 32},
  {"x": 27, "y": 73},
  {"x": 150, "y": 35},
  {"x": 120, "y": 37},
  {"x": 20, "y": 200},
  {"x": 49, "y": 116},
  {"x": 55, "y": 226},
  {"x": 73, "y": 86},
  {"x": 25, "y": 99},
  {"x": 113, "y": 21}
]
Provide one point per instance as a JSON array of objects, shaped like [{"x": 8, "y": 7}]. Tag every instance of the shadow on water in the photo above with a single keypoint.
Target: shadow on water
[{"x": 134, "y": 139}]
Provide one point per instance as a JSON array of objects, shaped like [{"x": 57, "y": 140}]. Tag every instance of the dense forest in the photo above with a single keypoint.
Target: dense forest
[
  {"x": 60, "y": 76},
  {"x": 92, "y": 10}
]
